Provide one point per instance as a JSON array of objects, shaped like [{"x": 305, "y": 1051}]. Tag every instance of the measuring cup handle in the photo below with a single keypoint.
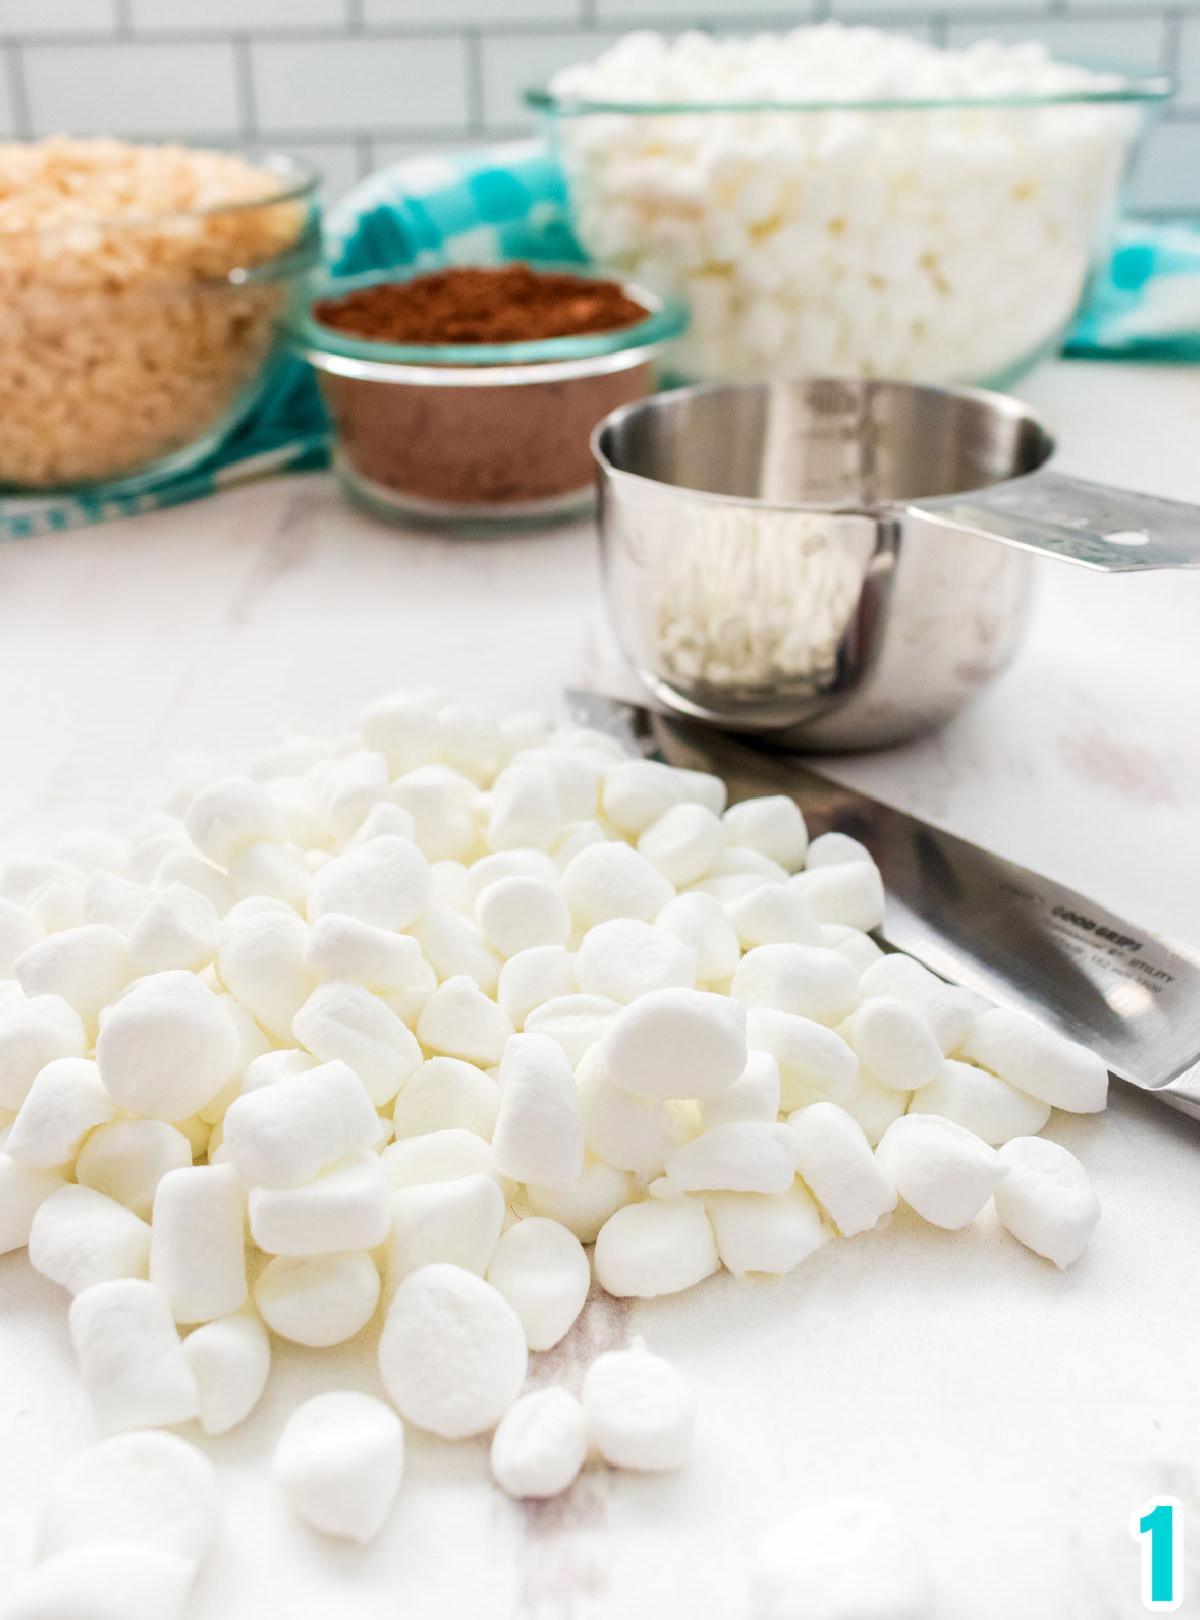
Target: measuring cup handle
[{"x": 1117, "y": 531}]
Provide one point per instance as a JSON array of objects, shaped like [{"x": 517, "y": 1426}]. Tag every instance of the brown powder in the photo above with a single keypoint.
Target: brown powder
[{"x": 509, "y": 304}]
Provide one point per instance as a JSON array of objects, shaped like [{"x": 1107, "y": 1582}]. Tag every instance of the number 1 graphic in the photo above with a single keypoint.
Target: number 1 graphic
[{"x": 1158, "y": 1525}]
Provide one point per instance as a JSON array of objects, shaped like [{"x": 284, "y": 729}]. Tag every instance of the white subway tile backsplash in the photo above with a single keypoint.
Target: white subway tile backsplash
[
  {"x": 1167, "y": 175},
  {"x": 1187, "y": 66},
  {"x": 360, "y": 84},
  {"x": 34, "y": 17},
  {"x": 515, "y": 63},
  {"x": 476, "y": 13},
  {"x": 8, "y": 122},
  {"x": 682, "y": 13},
  {"x": 1123, "y": 42},
  {"x": 131, "y": 89},
  {"x": 236, "y": 16}
]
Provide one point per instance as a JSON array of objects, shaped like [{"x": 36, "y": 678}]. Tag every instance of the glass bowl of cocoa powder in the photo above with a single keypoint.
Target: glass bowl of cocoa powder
[{"x": 466, "y": 395}]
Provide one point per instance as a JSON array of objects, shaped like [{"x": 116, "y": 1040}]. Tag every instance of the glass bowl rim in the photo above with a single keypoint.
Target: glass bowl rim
[{"x": 667, "y": 319}]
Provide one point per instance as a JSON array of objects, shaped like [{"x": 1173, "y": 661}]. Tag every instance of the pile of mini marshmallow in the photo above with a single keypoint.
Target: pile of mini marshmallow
[
  {"x": 935, "y": 244},
  {"x": 391, "y": 1031}
]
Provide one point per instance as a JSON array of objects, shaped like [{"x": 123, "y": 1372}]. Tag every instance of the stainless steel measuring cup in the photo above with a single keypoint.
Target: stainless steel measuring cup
[{"x": 817, "y": 561}]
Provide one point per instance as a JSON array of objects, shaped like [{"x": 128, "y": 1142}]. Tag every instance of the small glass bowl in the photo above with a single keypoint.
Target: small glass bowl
[{"x": 470, "y": 434}]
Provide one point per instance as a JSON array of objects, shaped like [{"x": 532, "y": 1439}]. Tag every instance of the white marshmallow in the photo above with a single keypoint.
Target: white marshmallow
[
  {"x": 469, "y": 739},
  {"x": 638, "y": 791},
  {"x": 576, "y": 836},
  {"x": 1036, "y": 1060},
  {"x": 385, "y": 882},
  {"x": 87, "y": 966},
  {"x": 194, "y": 872},
  {"x": 773, "y": 914},
  {"x": 859, "y": 949},
  {"x": 23, "y": 1191},
  {"x": 151, "y": 1489},
  {"x": 837, "y": 1165},
  {"x": 197, "y": 1242},
  {"x": 840, "y": 1560},
  {"x": 754, "y": 1095},
  {"x": 815, "y": 1064},
  {"x": 127, "y": 1159},
  {"x": 524, "y": 810},
  {"x": 517, "y": 913},
  {"x": 32, "y": 1034},
  {"x": 460, "y": 1021},
  {"x": 261, "y": 960},
  {"x": 64, "y": 1103},
  {"x": 443, "y": 1155},
  {"x": 739, "y": 1156},
  {"x": 345, "y": 1207},
  {"x": 540, "y": 1444},
  {"x": 939, "y": 1168},
  {"x": 576, "y": 779},
  {"x": 807, "y": 980},
  {"x": 130, "y": 1359},
  {"x": 676, "y": 1043},
  {"x": 874, "y": 1106},
  {"x": 612, "y": 880},
  {"x": 318, "y": 1300},
  {"x": 773, "y": 826},
  {"x": 341, "y": 947},
  {"x": 22, "y": 878},
  {"x": 600, "y": 1191},
  {"x": 384, "y": 820},
  {"x": 577, "y": 1023},
  {"x": 531, "y": 977},
  {"x": 282, "y": 1135},
  {"x": 272, "y": 1067},
  {"x": 1046, "y": 1200},
  {"x": 539, "y": 1129},
  {"x": 403, "y": 727},
  {"x": 450, "y": 879},
  {"x": 454, "y": 1221},
  {"x": 949, "y": 1010},
  {"x": 58, "y": 904},
  {"x": 765, "y": 1233},
  {"x": 118, "y": 1580},
  {"x": 683, "y": 842},
  {"x": 178, "y": 928},
  {"x": 700, "y": 921},
  {"x": 446, "y": 1094},
  {"x": 342, "y": 1022},
  {"x": 271, "y": 871},
  {"x": 542, "y": 1270},
  {"x": 640, "y": 1410},
  {"x": 166, "y": 1048},
  {"x": 230, "y": 1361},
  {"x": 850, "y": 893},
  {"x": 228, "y": 816},
  {"x": 658, "y": 1247},
  {"x": 632, "y": 1133},
  {"x": 442, "y": 804},
  {"x": 18, "y": 931},
  {"x": 835, "y": 849},
  {"x": 456, "y": 948},
  {"x": 894, "y": 1043},
  {"x": 80, "y": 1238},
  {"x": 348, "y": 789},
  {"x": 339, "y": 1463},
  {"x": 624, "y": 959},
  {"x": 452, "y": 1353},
  {"x": 532, "y": 863},
  {"x": 297, "y": 799},
  {"x": 985, "y": 1104}
]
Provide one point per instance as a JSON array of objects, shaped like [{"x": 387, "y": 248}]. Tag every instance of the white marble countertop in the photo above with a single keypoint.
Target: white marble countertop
[{"x": 1019, "y": 1416}]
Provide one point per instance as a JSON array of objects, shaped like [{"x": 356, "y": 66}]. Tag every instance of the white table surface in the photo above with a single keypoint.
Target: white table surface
[{"x": 1019, "y": 1416}]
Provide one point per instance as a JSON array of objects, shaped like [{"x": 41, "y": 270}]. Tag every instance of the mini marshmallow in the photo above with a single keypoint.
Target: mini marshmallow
[
  {"x": 403, "y": 728},
  {"x": 385, "y": 882},
  {"x": 807, "y": 980},
  {"x": 939, "y": 1168},
  {"x": 754, "y": 1095},
  {"x": 740, "y": 1156},
  {"x": 600, "y": 1191},
  {"x": 452, "y": 1353},
  {"x": 230, "y": 1361},
  {"x": 836, "y": 1163},
  {"x": 454, "y": 1221},
  {"x": 539, "y": 1129},
  {"x": 658, "y": 1247},
  {"x": 460, "y": 1021},
  {"x": 835, "y": 849},
  {"x": 282, "y": 1064},
  {"x": 261, "y": 960},
  {"x": 318, "y": 1300},
  {"x": 632, "y": 1133},
  {"x": 774, "y": 914},
  {"x": 524, "y": 810},
  {"x": 683, "y": 842},
  {"x": 540, "y": 1444},
  {"x": 576, "y": 780},
  {"x": 339, "y": 1463},
  {"x": 297, "y": 800},
  {"x": 21, "y": 878},
  {"x": 469, "y": 739},
  {"x": 150, "y": 1489},
  {"x": 18, "y": 931},
  {"x": 87, "y": 966},
  {"x": 532, "y": 977},
  {"x": 576, "y": 836},
  {"x": 115, "y": 1581},
  {"x": 625, "y": 959},
  {"x": 611, "y": 880},
  {"x": 859, "y": 949},
  {"x": 542, "y": 1270},
  {"x": 1036, "y": 1060},
  {"x": 815, "y": 1065},
  {"x": 639, "y": 1409},
  {"x": 80, "y": 1238},
  {"x": 638, "y": 791},
  {"x": 166, "y": 1048},
  {"x": 676, "y": 1043},
  {"x": 442, "y": 804},
  {"x": 949, "y": 1010},
  {"x": 179, "y": 928},
  {"x": 850, "y": 893},
  {"x": 64, "y": 1103},
  {"x": 282, "y": 1135},
  {"x": 383, "y": 820},
  {"x": 340, "y": 947},
  {"x": 32, "y": 1034},
  {"x": 445, "y": 1094},
  {"x": 58, "y": 904},
  {"x": 531, "y": 863},
  {"x": 840, "y": 1560},
  {"x": 517, "y": 913},
  {"x": 194, "y": 872},
  {"x": 346, "y": 1207},
  {"x": 342, "y": 1022},
  {"x": 348, "y": 789},
  {"x": 443, "y": 1155},
  {"x": 773, "y": 1234},
  {"x": 773, "y": 826},
  {"x": 127, "y": 1159},
  {"x": 197, "y": 1242},
  {"x": 700, "y": 921},
  {"x": 1046, "y": 1200},
  {"x": 450, "y": 879},
  {"x": 577, "y": 1023},
  {"x": 456, "y": 948},
  {"x": 985, "y": 1104},
  {"x": 130, "y": 1359},
  {"x": 737, "y": 861},
  {"x": 875, "y": 1106},
  {"x": 228, "y": 816},
  {"x": 894, "y": 1043},
  {"x": 273, "y": 871},
  {"x": 23, "y": 1191}
]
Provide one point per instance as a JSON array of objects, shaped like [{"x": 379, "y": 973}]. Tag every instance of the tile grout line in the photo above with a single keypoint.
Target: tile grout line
[
  {"x": 243, "y": 78},
  {"x": 18, "y": 89},
  {"x": 473, "y": 44}
]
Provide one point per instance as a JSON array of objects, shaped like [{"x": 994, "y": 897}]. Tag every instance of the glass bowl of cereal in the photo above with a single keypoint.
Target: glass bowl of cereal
[{"x": 141, "y": 292}]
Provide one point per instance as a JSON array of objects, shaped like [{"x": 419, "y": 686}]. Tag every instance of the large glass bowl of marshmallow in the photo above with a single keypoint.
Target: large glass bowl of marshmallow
[{"x": 843, "y": 201}]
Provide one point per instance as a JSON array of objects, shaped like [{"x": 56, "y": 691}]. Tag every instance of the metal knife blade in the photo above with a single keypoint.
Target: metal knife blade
[{"x": 975, "y": 919}]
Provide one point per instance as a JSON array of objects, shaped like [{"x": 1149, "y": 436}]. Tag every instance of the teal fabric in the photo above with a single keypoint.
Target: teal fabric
[{"x": 510, "y": 202}]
